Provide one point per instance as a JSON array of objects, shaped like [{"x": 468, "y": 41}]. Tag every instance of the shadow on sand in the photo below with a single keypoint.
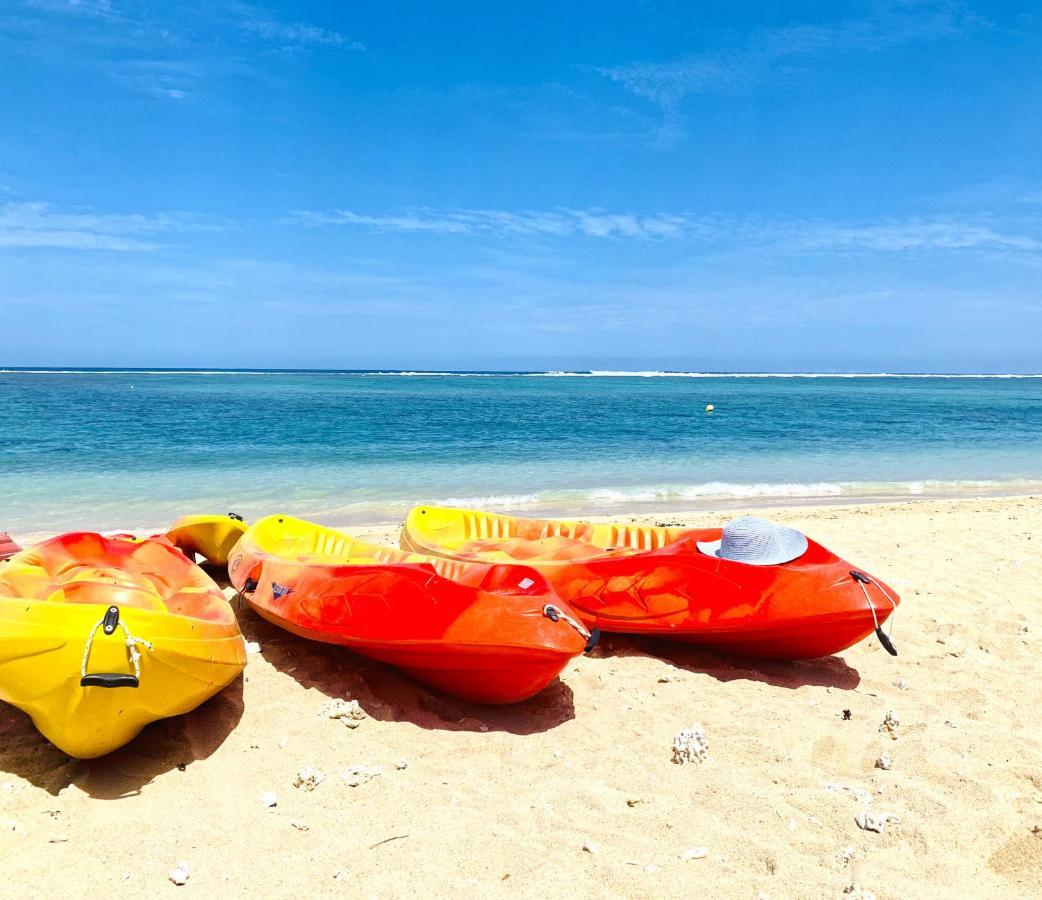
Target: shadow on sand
[
  {"x": 389, "y": 695},
  {"x": 162, "y": 746},
  {"x": 830, "y": 671}
]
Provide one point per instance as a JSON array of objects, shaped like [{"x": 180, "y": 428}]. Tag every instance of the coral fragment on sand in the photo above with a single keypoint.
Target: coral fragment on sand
[
  {"x": 347, "y": 711},
  {"x": 868, "y": 820},
  {"x": 691, "y": 746}
]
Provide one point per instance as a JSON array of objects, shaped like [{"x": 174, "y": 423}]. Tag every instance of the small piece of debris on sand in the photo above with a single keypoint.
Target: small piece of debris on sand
[
  {"x": 308, "y": 779},
  {"x": 179, "y": 873},
  {"x": 358, "y": 775},
  {"x": 695, "y": 853},
  {"x": 884, "y": 762},
  {"x": 253, "y": 647},
  {"x": 589, "y": 847},
  {"x": 270, "y": 799},
  {"x": 347, "y": 711},
  {"x": 890, "y": 724}
]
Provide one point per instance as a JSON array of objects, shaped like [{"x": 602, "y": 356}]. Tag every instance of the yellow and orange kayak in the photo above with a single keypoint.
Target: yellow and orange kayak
[
  {"x": 494, "y": 634},
  {"x": 100, "y": 636},
  {"x": 210, "y": 536}
]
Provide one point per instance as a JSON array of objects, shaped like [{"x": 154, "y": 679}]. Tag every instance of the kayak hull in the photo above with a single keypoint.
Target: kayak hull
[{"x": 655, "y": 581}]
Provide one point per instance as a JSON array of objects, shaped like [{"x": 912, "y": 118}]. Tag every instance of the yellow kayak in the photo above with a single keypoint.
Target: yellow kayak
[
  {"x": 100, "y": 636},
  {"x": 211, "y": 536}
]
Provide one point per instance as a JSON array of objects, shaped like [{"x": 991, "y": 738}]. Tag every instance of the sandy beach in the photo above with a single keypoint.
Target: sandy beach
[{"x": 574, "y": 793}]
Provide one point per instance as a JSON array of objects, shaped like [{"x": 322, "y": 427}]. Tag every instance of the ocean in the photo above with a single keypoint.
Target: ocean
[{"x": 132, "y": 449}]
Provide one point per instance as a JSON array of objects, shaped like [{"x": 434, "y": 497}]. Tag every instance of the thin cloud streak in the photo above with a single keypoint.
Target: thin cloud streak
[
  {"x": 156, "y": 51},
  {"x": 504, "y": 223},
  {"x": 36, "y": 224},
  {"x": 667, "y": 83},
  {"x": 793, "y": 235},
  {"x": 771, "y": 54}
]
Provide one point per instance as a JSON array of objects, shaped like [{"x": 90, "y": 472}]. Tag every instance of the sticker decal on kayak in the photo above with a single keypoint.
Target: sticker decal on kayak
[{"x": 280, "y": 590}]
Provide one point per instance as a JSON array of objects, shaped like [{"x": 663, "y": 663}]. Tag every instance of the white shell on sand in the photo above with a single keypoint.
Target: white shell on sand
[
  {"x": 691, "y": 746},
  {"x": 347, "y": 711},
  {"x": 308, "y": 779},
  {"x": 589, "y": 847},
  {"x": 253, "y": 647},
  {"x": 179, "y": 873},
  {"x": 400, "y": 764},
  {"x": 270, "y": 799},
  {"x": 356, "y": 775},
  {"x": 884, "y": 762}
]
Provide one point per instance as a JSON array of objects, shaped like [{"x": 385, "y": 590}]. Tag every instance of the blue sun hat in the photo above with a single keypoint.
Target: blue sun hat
[{"x": 756, "y": 542}]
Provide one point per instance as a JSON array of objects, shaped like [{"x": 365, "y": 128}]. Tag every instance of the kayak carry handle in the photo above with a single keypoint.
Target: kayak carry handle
[
  {"x": 110, "y": 680},
  {"x": 108, "y": 624}
]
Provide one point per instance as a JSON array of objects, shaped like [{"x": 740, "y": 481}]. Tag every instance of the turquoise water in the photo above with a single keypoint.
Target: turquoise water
[{"x": 133, "y": 449}]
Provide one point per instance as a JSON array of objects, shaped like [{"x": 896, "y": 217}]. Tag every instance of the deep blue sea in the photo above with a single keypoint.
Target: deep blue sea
[{"x": 132, "y": 449}]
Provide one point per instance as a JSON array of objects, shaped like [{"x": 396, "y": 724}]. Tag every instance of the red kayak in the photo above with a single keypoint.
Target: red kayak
[
  {"x": 494, "y": 634},
  {"x": 8, "y": 547},
  {"x": 642, "y": 579}
]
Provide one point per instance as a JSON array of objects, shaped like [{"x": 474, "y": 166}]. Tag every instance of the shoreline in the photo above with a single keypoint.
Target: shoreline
[{"x": 634, "y": 512}]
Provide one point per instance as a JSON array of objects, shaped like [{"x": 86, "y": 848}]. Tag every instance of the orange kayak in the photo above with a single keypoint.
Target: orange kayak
[
  {"x": 642, "y": 579},
  {"x": 100, "y": 636},
  {"x": 494, "y": 634}
]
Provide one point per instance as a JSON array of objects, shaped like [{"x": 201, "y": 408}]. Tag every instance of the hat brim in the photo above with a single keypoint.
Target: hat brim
[
  {"x": 712, "y": 548},
  {"x": 709, "y": 548}
]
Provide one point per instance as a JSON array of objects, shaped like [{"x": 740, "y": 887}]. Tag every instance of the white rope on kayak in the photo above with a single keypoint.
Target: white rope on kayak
[
  {"x": 132, "y": 644},
  {"x": 553, "y": 613}
]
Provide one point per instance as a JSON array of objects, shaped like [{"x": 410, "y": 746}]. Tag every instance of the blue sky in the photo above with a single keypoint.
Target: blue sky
[{"x": 712, "y": 186}]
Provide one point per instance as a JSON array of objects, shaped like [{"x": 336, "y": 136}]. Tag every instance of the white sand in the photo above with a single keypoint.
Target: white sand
[{"x": 474, "y": 802}]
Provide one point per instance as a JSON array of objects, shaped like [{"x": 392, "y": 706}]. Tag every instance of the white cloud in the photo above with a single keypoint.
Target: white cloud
[
  {"x": 768, "y": 54},
  {"x": 910, "y": 235},
  {"x": 914, "y": 234},
  {"x": 291, "y": 35},
  {"x": 102, "y": 8},
  {"x": 299, "y": 34},
  {"x": 766, "y": 51},
  {"x": 35, "y": 224},
  {"x": 553, "y": 223}
]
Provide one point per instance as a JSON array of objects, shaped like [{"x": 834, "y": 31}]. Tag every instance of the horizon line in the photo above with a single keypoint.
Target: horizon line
[{"x": 547, "y": 373}]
